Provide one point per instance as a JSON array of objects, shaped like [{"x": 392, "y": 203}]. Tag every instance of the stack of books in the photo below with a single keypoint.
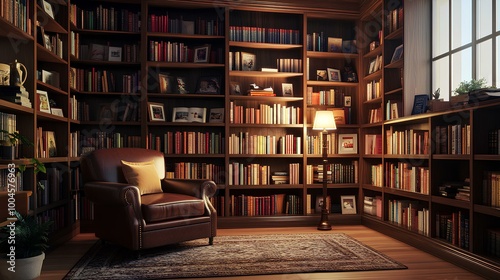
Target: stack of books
[
  {"x": 15, "y": 94},
  {"x": 280, "y": 177}
]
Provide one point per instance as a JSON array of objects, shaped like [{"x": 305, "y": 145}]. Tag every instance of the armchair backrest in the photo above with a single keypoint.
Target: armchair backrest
[{"x": 105, "y": 164}]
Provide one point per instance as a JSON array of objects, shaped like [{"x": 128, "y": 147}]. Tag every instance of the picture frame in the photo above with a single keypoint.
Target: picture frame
[
  {"x": 248, "y": 61},
  {"x": 372, "y": 66},
  {"x": 156, "y": 111},
  {"x": 114, "y": 54},
  {"x": 348, "y": 204},
  {"x": 234, "y": 88},
  {"x": 181, "y": 85},
  {"x": 201, "y": 54},
  {"x": 43, "y": 101},
  {"x": 47, "y": 42},
  {"x": 51, "y": 147},
  {"x": 208, "y": 85},
  {"x": 287, "y": 89},
  {"x": 47, "y": 8},
  {"x": 347, "y": 101},
  {"x": 334, "y": 44},
  {"x": 321, "y": 75},
  {"x": 107, "y": 113},
  {"x": 420, "y": 104},
  {"x": 165, "y": 83},
  {"x": 398, "y": 54},
  {"x": 216, "y": 115},
  {"x": 348, "y": 143},
  {"x": 333, "y": 75},
  {"x": 57, "y": 112}
]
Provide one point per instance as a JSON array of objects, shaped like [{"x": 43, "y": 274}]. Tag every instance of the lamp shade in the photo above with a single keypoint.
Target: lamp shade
[{"x": 324, "y": 120}]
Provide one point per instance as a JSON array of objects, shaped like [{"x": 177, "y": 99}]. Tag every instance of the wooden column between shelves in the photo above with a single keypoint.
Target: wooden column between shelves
[{"x": 21, "y": 205}]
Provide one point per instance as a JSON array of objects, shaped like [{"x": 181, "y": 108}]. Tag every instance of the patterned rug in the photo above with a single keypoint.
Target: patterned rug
[{"x": 234, "y": 256}]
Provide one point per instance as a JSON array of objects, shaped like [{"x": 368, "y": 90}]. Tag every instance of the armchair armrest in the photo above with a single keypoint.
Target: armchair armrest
[
  {"x": 194, "y": 187},
  {"x": 112, "y": 194}
]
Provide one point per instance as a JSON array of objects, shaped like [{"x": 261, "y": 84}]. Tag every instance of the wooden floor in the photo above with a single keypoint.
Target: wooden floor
[{"x": 420, "y": 264}]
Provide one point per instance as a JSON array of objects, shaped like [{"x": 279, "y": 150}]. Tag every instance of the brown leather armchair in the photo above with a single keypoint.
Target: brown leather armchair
[{"x": 180, "y": 212}]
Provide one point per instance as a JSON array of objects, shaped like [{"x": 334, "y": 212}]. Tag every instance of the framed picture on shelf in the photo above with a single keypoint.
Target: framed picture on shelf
[
  {"x": 333, "y": 75},
  {"x": 114, "y": 54},
  {"x": 348, "y": 143},
  {"x": 334, "y": 44},
  {"x": 248, "y": 61},
  {"x": 347, "y": 101},
  {"x": 348, "y": 204},
  {"x": 57, "y": 112},
  {"x": 107, "y": 113},
  {"x": 216, "y": 115},
  {"x": 287, "y": 89},
  {"x": 165, "y": 83},
  {"x": 46, "y": 42},
  {"x": 156, "y": 111},
  {"x": 208, "y": 85},
  {"x": 51, "y": 143},
  {"x": 234, "y": 88},
  {"x": 420, "y": 104},
  {"x": 47, "y": 7},
  {"x": 398, "y": 54},
  {"x": 43, "y": 101},
  {"x": 202, "y": 53},
  {"x": 321, "y": 75},
  {"x": 181, "y": 85}
]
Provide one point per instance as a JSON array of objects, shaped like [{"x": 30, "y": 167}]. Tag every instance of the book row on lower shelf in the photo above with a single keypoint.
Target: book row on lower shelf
[
  {"x": 407, "y": 142},
  {"x": 244, "y": 143},
  {"x": 265, "y": 114},
  {"x": 257, "y": 174},
  {"x": 187, "y": 142},
  {"x": 96, "y": 80},
  {"x": 336, "y": 173},
  {"x": 453, "y": 227},
  {"x": 247, "y": 205},
  {"x": 410, "y": 215}
]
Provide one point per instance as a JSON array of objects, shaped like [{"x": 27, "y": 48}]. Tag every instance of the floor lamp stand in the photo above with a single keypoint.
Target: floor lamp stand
[{"x": 324, "y": 224}]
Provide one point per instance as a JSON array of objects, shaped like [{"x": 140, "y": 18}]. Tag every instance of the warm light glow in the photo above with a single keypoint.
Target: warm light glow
[{"x": 324, "y": 120}]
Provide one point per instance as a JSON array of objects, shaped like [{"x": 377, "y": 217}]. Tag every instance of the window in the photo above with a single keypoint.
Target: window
[{"x": 465, "y": 43}]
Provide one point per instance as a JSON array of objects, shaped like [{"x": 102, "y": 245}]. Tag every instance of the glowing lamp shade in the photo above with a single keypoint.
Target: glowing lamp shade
[{"x": 324, "y": 120}]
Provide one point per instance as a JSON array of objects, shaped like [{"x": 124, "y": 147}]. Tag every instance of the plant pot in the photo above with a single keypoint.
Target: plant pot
[
  {"x": 459, "y": 100},
  {"x": 439, "y": 105},
  {"x": 28, "y": 268},
  {"x": 8, "y": 152}
]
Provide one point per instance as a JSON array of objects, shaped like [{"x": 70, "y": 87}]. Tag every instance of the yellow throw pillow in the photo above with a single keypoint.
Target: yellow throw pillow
[{"x": 143, "y": 175}]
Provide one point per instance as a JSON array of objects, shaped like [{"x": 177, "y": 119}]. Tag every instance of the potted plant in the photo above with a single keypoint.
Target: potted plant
[
  {"x": 23, "y": 243},
  {"x": 464, "y": 88}
]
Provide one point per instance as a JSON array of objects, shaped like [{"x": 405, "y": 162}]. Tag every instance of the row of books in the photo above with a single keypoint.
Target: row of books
[
  {"x": 95, "y": 80},
  {"x": 376, "y": 175},
  {"x": 248, "y": 174},
  {"x": 493, "y": 146},
  {"x": 52, "y": 42},
  {"x": 453, "y": 227},
  {"x": 393, "y": 109},
  {"x": 118, "y": 111},
  {"x": 314, "y": 144},
  {"x": 265, "y": 114},
  {"x": 47, "y": 146},
  {"x": 104, "y": 52},
  {"x": 17, "y": 13},
  {"x": 187, "y": 142},
  {"x": 244, "y": 143},
  {"x": 394, "y": 19},
  {"x": 264, "y": 35},
  {"x": 453, "y": 139},
  {"x": 7, "y": 180},
  {"x": 105, "y": 18},
  {"x": 491, "y": 188},
  {"x": 376, "y": 115},
  {"x": 407, "y": 142},
  {"x": 493, "y": 242},
  {"x": 56, "y": 215},
  {"x": 196, "y": 170},
  {"x": 410, "y": 215},
  {"x": 106, "y": 140},
  {"x": 245, "y": 205},
  {"x": 319, "y": 42},
  {"x": 404, "y": 176},
  {"x": 164, "y": 24},
  {"x": 218, "y": 202},
  {"x": 8, "y": 122},
  {"x": 456, "y": 190},
  {"x": 53, "y": 189},
  {"x": 336, "y": 173},
  {"x": 373, "y": 144},
  {"x": 373, "y": 90},
  {"x": 323, "y": 97}
]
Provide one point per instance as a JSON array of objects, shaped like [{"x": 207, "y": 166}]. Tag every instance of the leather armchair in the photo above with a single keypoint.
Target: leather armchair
[{"x": 122, "y": 216}]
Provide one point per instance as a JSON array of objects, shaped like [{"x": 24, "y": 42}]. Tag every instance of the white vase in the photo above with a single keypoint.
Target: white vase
[{"x": 28, "y": 268}]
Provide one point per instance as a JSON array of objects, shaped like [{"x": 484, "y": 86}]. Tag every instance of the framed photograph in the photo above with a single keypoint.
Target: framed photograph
[
  {"x": 165, "y": 83},
  {"x": 201, "y": 54},
  {"x": 47, "y": 7},
  {"x": 216, "y": 115},
  {"x": 106, "y": 112},
  {"x": 51, "y": 147},
  {"x": 234, "y": 88},
  {"x": 319, "y": 204},
  {"x": 43, "y": 101},
  {"x": 348, "y": 204},
  {"x": 372, "y": 66},
  {"x": 287, "y": 89},
  {"x": 398, "y": 54},
  {"x": 156, "y": 111},
  {"x": 321, "y": 75},
  {"x": 114, "y": 54},
  {"x": 57, "y": 112},
  {"x": 347, "y": 101},
  {"x": 46, "y": 42},
  {"x": 333, "y": 75},
  {"x": 248, "y": 61},
  {"x": 420, "y": 104},
  {"x": 348, "y": 143},
  {"x": 208, "y": 85},
  {"x": 181, "y": 85},
  {"x": 334, "y": 44}
]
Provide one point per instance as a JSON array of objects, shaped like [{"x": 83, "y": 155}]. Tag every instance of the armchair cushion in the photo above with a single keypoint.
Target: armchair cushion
[
  {"x": 143, "y": 175},
  {"x": 168, "y": 206}
]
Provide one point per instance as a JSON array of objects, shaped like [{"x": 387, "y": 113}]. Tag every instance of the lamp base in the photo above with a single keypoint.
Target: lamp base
[{"x": 324, "y": 224}]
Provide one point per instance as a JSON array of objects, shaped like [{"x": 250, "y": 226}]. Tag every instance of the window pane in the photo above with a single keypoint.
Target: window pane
[
  {"x": 461, "y": 67},
  {"x": 461, "y": 17},
  {"x": 484, "y": 63},
  {"x": 497, "y": 80},
  {"x": 483, "y": 18},
  {"x": 498, "y": 13},
  {"x": 441, "y": 77},
  {"x": 440, "y": 27}
]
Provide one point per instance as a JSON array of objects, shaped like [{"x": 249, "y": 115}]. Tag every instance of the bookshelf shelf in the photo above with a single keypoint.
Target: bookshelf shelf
[
  {"x": 268, "y": 46},
  {"x": 263, "y": 74}
]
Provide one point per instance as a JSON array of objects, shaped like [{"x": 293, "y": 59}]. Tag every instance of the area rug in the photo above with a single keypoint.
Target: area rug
[{"x": 234, "y": 256}]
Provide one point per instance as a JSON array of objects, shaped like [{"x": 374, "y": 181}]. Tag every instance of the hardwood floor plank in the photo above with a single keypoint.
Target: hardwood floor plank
[{"x": 421, "y": 265}]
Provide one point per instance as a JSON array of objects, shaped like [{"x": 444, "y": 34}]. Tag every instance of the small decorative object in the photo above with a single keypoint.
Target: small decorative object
[
  {"x": 165, "y": 83},
  {"x": 208, "y": 85},
  {"x": 349, "y": 75},
  {"x": 420, "y": 104},
  {"x": 115, "y": 54},
  {"x": 57, "y": 112},
  {"x": 43, "y": 99},
  {"x": 192, "y": 114},
  {"x": 47, "y": 7},
  {"x": 347, "y": 101},
  {"x": 234, "y": 88},
  {"x": 334, "y": 44},
  {"x": 461, "y": 95},
  {"x": 348, "y": 204},
  {"x": 333, "y": 75},
  {"x": 348, "y": 143},
  {"x": 201, "y": 54},
  {"x": 216, "y": 115},
  {"x": 181, "y": 85},
  {"x": 287, "y": 89},
  {"x": 156, "y": 111},
  {"x": 436, "y": 94},
  {"x": 17, "y": 75},
  {"x": 248, "y": 61},
  {"x": 321, "y": 75},
  {"x": 398, "y": 54},
  {"x": 106, "y": 113}
]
